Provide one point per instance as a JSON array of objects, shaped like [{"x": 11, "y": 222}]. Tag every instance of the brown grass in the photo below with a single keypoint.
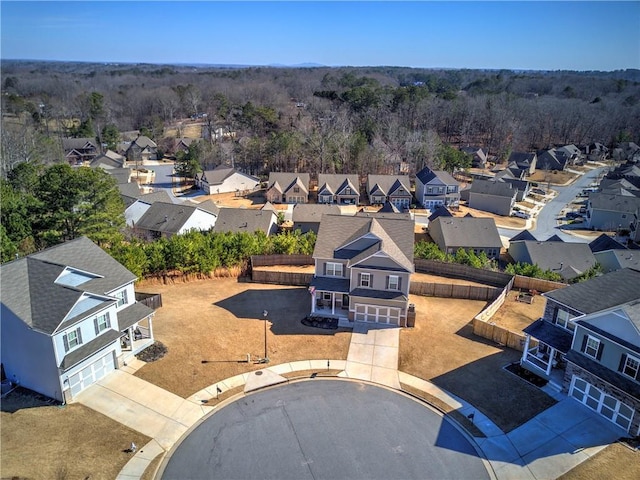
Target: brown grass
[
  {"x": 69, "y": 441},
  {"x": 516, "y": 315},
  {"x": 221, "y": 321},
  {"x": 442, "y": 348},
  {"x": 615, "y": 461},
  {"x": 557, "y": 178},
  {"x": 501, "y": 221}
]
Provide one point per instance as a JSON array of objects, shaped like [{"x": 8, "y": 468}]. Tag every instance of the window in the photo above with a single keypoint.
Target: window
[
  {"x": 72, "y": 339},
  {"x": 102, "y": 323},
  {"x": 365, "y": 280},
  {"x": 563, "y": 320},
  {"x": 592, "y": 346},
  {"x": 122, "y": 298},
  {"x": 394, "y": 282},
  {"x": 334, "y": 269},
  {"x": 631, "y": 366},
  {"x": 347, "y": 191},
  {"x": 429, "y": 190},
  {"x": 296, "y": 189}
]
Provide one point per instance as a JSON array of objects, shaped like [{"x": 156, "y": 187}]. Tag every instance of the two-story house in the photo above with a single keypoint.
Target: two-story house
[
  {"x": 340, "y": 189},
  {"x": 492, "y": 196},
  {"x": 435, "y": 187},
  {"x": 363, "y": 268},
  {"x": 395, "y": 189},
  {"x": 549, "y": 339},
  {"x": 69, "y": 317},
  {"x": 78, "y": 151},
  {"x": 603, "y": 365},
  {"x": 141, "y": 150},
  {"x": 286, "y": 187}
]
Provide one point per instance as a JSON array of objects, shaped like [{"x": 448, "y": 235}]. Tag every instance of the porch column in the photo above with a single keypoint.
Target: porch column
[
  {"x": 333, "y": 303},
  {"x": 313, "y": 301},
  {"x": 550, "y": 365},
  {"x": 150, "y": 322},
  {"x": 526, "y": 347}
]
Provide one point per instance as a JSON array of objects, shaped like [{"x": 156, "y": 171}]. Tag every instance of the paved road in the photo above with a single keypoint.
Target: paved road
[
  {"x": 325, "y": 429},
  {"x": 546, "y": 226}
]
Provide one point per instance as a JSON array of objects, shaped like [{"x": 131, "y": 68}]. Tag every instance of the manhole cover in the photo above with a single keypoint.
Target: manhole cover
[{"x": 258, "y": 373}]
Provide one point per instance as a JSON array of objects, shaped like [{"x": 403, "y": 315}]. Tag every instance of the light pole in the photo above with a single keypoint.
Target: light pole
[{"x": 266, "y": 358}]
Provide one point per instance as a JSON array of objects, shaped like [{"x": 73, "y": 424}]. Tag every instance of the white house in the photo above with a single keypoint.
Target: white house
[
  {"x": 225, "y": 180},
  {"x": 139, "y": 207},
  {"x": 69, "y": 317},
  {"x": 166, "y": 219}
]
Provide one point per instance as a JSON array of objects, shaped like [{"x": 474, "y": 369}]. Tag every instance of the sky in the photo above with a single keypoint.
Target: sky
[{"x": 537, "y": 35}]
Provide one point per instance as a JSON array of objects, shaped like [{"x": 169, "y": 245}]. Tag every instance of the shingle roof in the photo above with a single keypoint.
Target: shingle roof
[
  {"x": 521, "y": 158},
  {"x": 122, "y": 175},
  {"x": 493, "y": 187},
  {"x": 218, "y": 175},
  {"x": 312, "y": 212},
  {"x": 159, "y": 196},
  {"x": 605, "y": 242},
  {"x": 468, "y": 232},
  {"x": 109, "y": 159},
  {"x": 165, "y": 217},
  {"x": 614, "y": 203},
  {"x": 244, "y": 220},
  {"x": 334, "y": 183},
  {"x": 426, "y": 175},
  {"x": 42, "y": 304},
  {"x": 143, "y": 142},
  {"x": 387, "y": 184},
  {"x": 286, "y": 180},
  {"x": 209, "y": 206},
  {"x": 523, "y": 235},
  {"x": 599, "y": 293},
  {"x": 569, "y": 259},
  {"x": 78, "y": 143},
  {"x": 340, "y": 234},
  {"x": 440, "y": 211},
  {"x": 550, "y": 334},
  {"x": 622, "y": 325}
]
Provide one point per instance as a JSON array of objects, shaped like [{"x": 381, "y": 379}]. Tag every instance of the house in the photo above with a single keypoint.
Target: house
[
  {"x": 583, "y": 340},
  {"x": 129, "y": 193},
  {"x": 475, "y": 234},
  {"x": 388, "y": 210},
  {"x": 439, "y": 211},
  {"x": 224, "y": 179},
  {"x": 183, "y": 144},
  {"x": 163, "y": 219},
  {"x": 77, "y": 151},
  {"x": 108, "y": 160},
  {"x": 139, "y": 206},
  {"x": 520, "y": 184},
  {"x": 603, "y": 243},
  {"x": 573, "y": 154},
  {"x": 552, "y": 159},
  {"x": 525, "y": 161},
  {"x": 121, "y": 175},
  {"x": 246, "y": 220},
  {"x": 288, "y": 187},
  {"x": 612, "y": 260},
  {"x": 363, "y": 268},
  {"x": 492, "y": 196},
  {"x": 436, "y": 187},
  {"x": 596, "y": 152},
  {"x": 478, "y": 156},
  {"x": 629, "y": 151},
  {"x": 395, "y": 189},
  {"x": 69, "y": 317},
  {"x": 142, "y": 149},
  {"x": 306, "y": 216},
  {"x": 523, "y": 235},
  {"x": 340, "y": 189},
  {"x": 568, "y": 259},
  {"x": 610, "y": 212}
]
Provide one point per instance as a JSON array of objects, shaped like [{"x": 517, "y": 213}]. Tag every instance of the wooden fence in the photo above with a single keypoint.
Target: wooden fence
[
  {"x": 281, "y": 278},
  {"x": 151, "y": 300},
  {"x": 455, "y": 270},
  {"x": 498, "y": 334},
  {"x": 528, "y": 283},
  {"x": 446, "y": 290},
  {"x": 271, "y": 260}
]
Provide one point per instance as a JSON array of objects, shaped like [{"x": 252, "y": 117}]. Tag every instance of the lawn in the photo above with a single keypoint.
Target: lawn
[
  {"x": 615, "y": 461},
  {"x": 442, "y": 348},
  {"x": 220, "y": 321},
  {"x": 40, "y": 440},
  {"x": 516, "y": 315}
]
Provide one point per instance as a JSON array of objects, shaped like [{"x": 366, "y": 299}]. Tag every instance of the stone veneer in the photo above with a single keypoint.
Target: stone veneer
[{"x": 573, "y": 369}]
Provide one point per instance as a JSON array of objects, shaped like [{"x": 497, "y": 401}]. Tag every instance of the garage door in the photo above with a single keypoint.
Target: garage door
[
  {"x": 377, "y": 314},
  {"x": 607, "y": 406},
  {"x": 91, "y": 373}
]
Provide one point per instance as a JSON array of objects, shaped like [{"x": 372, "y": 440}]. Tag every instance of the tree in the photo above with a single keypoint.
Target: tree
[
  {"x": 451, "y": 159},
  {"x": 111, "y": 136},
  {"x": 188, "y": 163}
]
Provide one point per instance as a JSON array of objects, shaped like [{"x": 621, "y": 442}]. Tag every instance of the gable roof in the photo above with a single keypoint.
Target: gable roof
[
  {"x": 209, "y": 206},
  {"x": 129, "y": 192},
  {"x": 218, "y": 175},
  {"x": 357, "y": 237},
  {"x": 427, "y": 175},
  {"x": 522, "y": 158},
  {"x": 387, "y": 184},
  {"x": 440, "y": 211},
  {"x": 144, "y": 142},
  {"x": 493, "y": 187},
  {"x": 269, "y": 207},
  {"x": 605, "y": 242},
  {"x": 335, "y": 183},
  {"x": 617, "y": 259},
  {"x": 35, "y": 297},
  {"x": 244, "y": 220},
  {"x": 109, "y": 159},
  {"x": 122, "y": 175},
  {"x": 523, "y": 235},
  {"x": 620, "y": 286},
  {"x": 569, "y": 259},
  {"x": 622, "y": 324},
  {"x": 554, "y": 238},
  {"x": 614, "y": 203},
  {"x": 468, "y": 232},
  {"x": 284, "y": 181},
  {"x": 312, "y": 212},
  {"x": 166, "y": 217},
  {"x": 78, "y": 143}
]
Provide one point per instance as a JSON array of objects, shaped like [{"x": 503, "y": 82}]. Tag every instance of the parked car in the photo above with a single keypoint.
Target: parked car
[
  {"x": 538, "y": 191},
  {"x": 572, "y": 215},
  {"x": 520, "y": 214}
]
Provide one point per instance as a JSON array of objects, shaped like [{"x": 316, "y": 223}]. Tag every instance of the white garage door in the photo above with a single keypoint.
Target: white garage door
[
  {"x": 607, "y": 406},
  {"x": 91, "y": 373},
  {"x": 377, "y": 314}
]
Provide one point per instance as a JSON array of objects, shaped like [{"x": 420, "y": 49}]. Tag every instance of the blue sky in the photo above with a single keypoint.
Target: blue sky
[{"x": 546, "y": 35}]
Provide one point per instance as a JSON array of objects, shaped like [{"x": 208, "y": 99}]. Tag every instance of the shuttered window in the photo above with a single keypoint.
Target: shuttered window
[
  {"x": 365, "y": 280},
  {"x": 630, "y": 366},
  {"x": 101, "y": 323},
  {"x": 592, "y": 347},
  {"x": 72, "y": 339}
]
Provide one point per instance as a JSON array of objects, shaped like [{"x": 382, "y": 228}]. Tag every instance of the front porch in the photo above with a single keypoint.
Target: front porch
[
  {"x": 330, "y": 297},
  {"x": 544, "y": 349},
  {"x": 136, "y": 330}
]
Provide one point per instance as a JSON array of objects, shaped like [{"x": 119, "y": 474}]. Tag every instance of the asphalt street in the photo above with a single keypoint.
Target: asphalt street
[{"x": 325, "y": 429}]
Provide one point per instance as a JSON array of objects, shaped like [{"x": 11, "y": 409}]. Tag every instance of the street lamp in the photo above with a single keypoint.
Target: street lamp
[{"x": 266, "y": 358}]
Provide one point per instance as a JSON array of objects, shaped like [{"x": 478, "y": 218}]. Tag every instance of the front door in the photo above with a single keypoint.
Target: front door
[{"x": 345, "y": 301}]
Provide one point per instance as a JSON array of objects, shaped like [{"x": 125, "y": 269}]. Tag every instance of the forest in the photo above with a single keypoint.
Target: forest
[{"x": 317, "y": 120}]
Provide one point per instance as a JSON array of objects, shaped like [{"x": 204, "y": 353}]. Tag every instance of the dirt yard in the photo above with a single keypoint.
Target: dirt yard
[
  {"x": 442, "y": 348},
  {"x": 555, "y": 178},
  {"x": 516, "y": 315},
  {"x": 501, "y": 221},
  {"x": 220, "y": 321},
  {"x": 41, "y": 441}
]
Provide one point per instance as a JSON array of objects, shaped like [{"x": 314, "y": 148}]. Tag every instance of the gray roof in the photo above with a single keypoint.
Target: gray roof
[
  {"x": 166, "y": 217},
  {"x": 493, "y": 187},
  {"x": 387, "y": 184},
  {"x": 218, "y": 175},
  {"x": 153, "y": 197},
  {"x": 33, "y": 295},
  {"x": 268, "y": 206},
  {"x": 109, "y": 159},
  {"x": 426, "y": 175},
  {"x": 621, "y": 325},
  {"x": 130, "y": 192},
  {"x": 569, "y": 259},
  {"x": 440, "y": 211},
  {"x": 133, "y": 314},
  {"x": 143, "y": 142},
  {"x": 614, "y": 203},
  {"x": 523, "y": 235},
  {"x": 122, "y": 175},
  {"x": 617, "y": 259},
  {"x": 336, "y": 182},
  {"x": 312, "y": 213},
  {"x": 522, "y": 158},
  {"x": 209, "y": 206},
  {"x": 244, "y": 220},
  {"x": 550, "y": 334},
  {"x": 605, "y": 242},
  {"x": 352, "y": 236},
  {"x": 78, "y": 143},
  {"x": 599, "y": 293},
  {"x": 285, "y": 180},
  {"x": 468, "y": 231}
]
